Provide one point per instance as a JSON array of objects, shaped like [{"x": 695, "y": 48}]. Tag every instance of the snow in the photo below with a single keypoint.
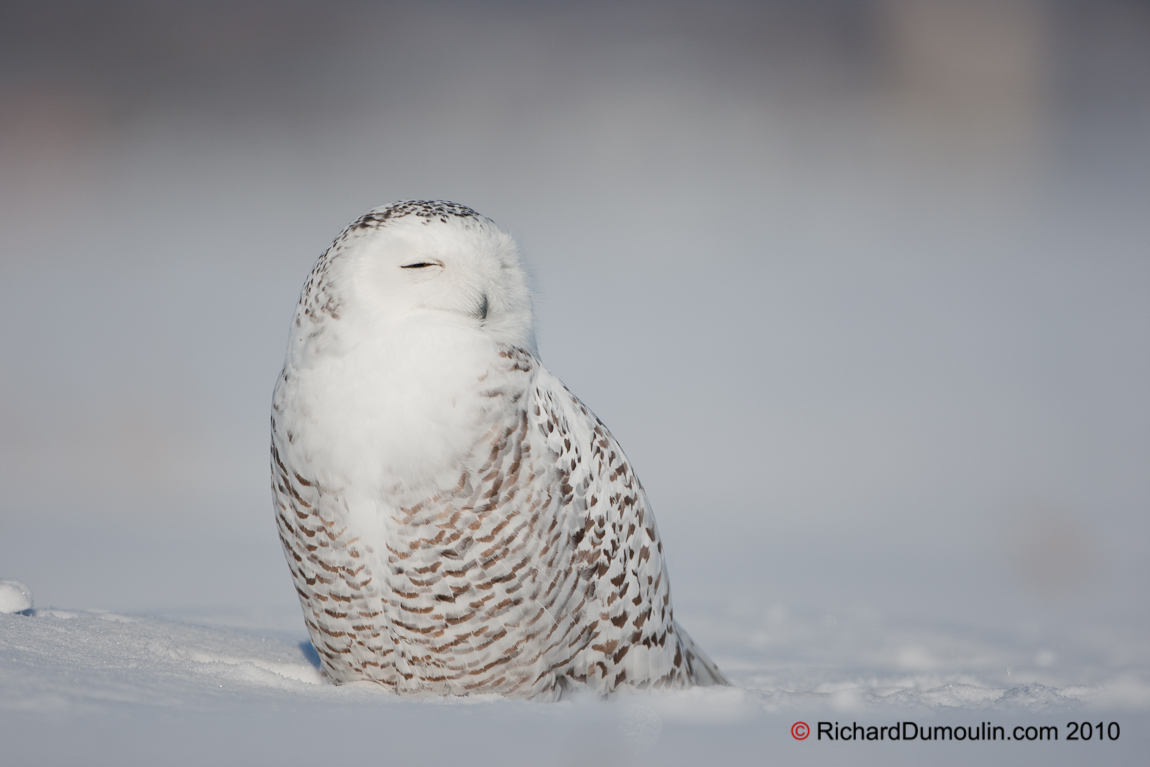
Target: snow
[
  {"x": 14, "y": 597},
  {"x": 127, "y": 687}
]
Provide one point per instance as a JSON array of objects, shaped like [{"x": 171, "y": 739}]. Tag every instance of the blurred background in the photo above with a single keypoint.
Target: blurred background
[{"x": 862, "y": 287}]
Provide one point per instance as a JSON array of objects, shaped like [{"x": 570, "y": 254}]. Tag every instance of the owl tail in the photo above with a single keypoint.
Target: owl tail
[{"x": 703, "y": 671}]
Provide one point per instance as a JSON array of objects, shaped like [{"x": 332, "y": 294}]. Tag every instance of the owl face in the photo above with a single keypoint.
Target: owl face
[{"x": 464, "y": 271}]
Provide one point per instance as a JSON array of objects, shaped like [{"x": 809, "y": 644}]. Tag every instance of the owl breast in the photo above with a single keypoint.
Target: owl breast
[{"x": 460, "y": 577}]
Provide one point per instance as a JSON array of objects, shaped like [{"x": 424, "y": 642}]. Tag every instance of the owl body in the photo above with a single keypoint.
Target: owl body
[{"x": 456, "y": 522}]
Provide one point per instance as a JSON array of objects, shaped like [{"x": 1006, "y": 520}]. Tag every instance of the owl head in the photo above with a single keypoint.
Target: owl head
[{"x": 434, "y": 260}]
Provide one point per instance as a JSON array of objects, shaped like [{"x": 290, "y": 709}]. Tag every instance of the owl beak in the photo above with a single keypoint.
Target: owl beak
[{"x": 481, "y": 310}]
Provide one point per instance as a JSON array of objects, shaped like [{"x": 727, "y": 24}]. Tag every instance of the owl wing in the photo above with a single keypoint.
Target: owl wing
[{"x": 635, "y": 638}]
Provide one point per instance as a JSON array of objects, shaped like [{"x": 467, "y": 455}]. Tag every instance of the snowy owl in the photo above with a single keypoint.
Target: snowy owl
[{"x": 455, "y": 520}]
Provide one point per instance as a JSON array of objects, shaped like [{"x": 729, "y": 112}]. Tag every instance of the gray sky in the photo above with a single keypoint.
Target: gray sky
[{"x": 863, "y": 288}]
